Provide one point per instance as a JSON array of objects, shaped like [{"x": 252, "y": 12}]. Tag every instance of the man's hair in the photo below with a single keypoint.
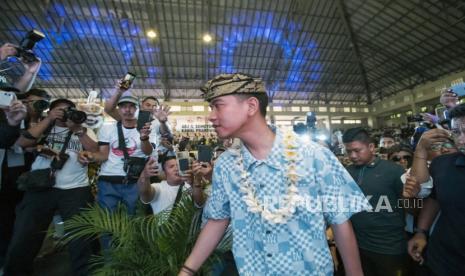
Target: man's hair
[
  {"x": 151, "y": 98},
  {"x": 399, "y": 148},
  {"x": 357, "y": 134},
  {"x": 458, "y": 111},
  {"x": 39, "y": 93},
  {"x": 261, "y": 97},
  {"x": 387, "y": 135},
  {"x": 61, "y": 101}
]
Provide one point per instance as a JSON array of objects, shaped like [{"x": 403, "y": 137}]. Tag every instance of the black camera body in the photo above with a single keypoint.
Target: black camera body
[
  {"x": 40, "y": 105},
  {"x": 415, "y": 118},
  {"x": 76, "y": 116},
  {"x": 59, "y": 163},
  {"x": 24, "y": 50}
]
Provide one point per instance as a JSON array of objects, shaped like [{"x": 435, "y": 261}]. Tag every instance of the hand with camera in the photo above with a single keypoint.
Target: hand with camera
[
  {"x": 7, "y": 50},
  {"x": 145, "y": 132},
  {"x": 202, "y": 170},
  {"x": 55, "y": 114},
  {"x": 161, "y": 113},
  {"x": 431, "y": 137},
  {"x": 150, "y": 169},
  {"x": 15, "y": 113},
  {"x": 121, "y": 87},
  {"x": 448, "y": 98}
]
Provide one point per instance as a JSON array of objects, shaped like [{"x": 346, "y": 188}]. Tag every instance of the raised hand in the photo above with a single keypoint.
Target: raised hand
[
  {"x": 145, "y": 132},
  {"x": 161, "y": 113},
  {"x": 150, "y": 169}
]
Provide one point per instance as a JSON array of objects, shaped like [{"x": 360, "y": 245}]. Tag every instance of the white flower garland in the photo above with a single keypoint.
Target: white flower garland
[{"x": 290, "y": 200}]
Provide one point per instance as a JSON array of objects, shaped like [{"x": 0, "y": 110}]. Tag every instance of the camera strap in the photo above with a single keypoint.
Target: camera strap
[
  {"x": 63, "y": 149},
  {"x": 122, "y": 147}
]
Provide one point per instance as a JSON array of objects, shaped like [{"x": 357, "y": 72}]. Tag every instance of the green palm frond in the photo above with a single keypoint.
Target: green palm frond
[{"x": 144, "y": 245}]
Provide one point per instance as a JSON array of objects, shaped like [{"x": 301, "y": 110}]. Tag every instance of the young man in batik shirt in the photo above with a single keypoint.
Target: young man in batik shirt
[{"x": 278, "y": 194}]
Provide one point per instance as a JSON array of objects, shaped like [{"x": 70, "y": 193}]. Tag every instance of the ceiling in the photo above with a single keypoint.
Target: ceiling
[{"x": 316, "y": 51}]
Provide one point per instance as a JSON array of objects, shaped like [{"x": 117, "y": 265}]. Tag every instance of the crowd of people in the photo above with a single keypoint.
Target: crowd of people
[{"x": 362, "y": 205}]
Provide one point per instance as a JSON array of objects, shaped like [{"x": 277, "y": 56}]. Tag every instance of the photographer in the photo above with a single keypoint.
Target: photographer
[
  {"x": 167, "y": 193},
  {"x": 15, "y": 162},
  {"x": 65, "y": 188},
  {"x": 123, "y": 151},
  {"x": 159, "y": 126},
  {"x": 444, "y": 254},
  {"x": 31, "y": 68}
]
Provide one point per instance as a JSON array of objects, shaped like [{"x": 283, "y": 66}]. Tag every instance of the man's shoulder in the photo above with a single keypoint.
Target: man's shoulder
[
  {"x": 446, "y": 160},
  {"x": 391, "y": 166}
]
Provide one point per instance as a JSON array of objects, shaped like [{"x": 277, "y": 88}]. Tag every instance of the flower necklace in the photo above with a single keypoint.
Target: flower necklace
[{"x": 290, "y": 200}]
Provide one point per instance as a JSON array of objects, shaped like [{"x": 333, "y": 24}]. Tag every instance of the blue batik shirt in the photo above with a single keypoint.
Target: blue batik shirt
[{"x": 299, "y": 246}]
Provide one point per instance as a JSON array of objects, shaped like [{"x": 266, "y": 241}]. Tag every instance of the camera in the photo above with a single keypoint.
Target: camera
[
  {"x": 24, "y": 50},
  {"x": 76, "y": 116},
  {"x": 58, "y": 163},
  {"x": 40, "y": 105},
  {"x": 415, "y": 118},
  {"x": 6, "y": 98},
  {"x": 128, "y": 79}
]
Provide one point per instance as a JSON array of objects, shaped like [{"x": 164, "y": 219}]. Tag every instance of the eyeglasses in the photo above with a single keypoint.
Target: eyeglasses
[
  {"x": 397, "y": 158},
  {"x": 456, "y": 132},
  {"x": 438, "y": 147}
]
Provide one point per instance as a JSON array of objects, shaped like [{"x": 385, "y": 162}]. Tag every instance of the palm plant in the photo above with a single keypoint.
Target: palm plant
[{"x": 144, "y": 245}]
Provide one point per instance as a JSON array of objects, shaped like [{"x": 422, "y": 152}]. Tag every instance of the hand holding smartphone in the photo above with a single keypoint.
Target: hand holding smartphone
[{"x": 127, "y": 81}]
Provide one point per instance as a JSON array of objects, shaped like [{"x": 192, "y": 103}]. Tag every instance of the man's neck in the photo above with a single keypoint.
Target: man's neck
[
  {"x": 174, "y": 183},
  {"x": 259, "y": 140},
  {"x": 129, "y": 123}
]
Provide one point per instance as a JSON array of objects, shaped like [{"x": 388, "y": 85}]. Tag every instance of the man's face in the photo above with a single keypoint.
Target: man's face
[
  {"x": 458, "y": 133},
  {"x": 148, "y": 105},
  {"x": 441, "y": 148},
  {"x": 171, "y": 172},
  {"x": 402, "y": 158},
  {"x": 63, "y": 107},
  {"x": 360, "y": 153},
  {"x": 386, "y": 142},
  {"x": 228, "y": 114},
  {"x": 127, "y": 110}
]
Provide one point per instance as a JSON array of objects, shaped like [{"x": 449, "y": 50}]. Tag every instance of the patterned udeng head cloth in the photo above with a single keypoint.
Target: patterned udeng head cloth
[{"x": 226, "y": 84}]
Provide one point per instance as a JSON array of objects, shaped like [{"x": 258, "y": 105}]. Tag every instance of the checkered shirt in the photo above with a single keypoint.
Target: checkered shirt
[{"x": 298, "y": 247}]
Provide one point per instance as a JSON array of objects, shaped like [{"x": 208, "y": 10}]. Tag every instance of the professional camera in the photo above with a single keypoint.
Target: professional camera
[
  {"x": 40, "y": 105},
  {"x": 76, "y": 116},
  {"x": 24, "y": 50}
]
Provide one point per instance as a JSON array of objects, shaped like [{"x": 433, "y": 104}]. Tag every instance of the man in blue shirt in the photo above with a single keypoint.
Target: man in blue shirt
[{"x": 279, "y": 195}]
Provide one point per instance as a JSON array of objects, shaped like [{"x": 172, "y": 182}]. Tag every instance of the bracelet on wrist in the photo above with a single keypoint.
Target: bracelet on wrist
[
  {"x": 188, "y": 269},
  {"x": 421, "y": 231}
]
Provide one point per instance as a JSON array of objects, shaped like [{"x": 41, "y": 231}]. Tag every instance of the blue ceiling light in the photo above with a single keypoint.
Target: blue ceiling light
[
  {"x": 264, "y": 27},
  {"x": 91, "y": 28}
]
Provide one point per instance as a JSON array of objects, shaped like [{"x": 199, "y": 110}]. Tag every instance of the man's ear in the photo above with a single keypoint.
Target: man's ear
[
  {"x": 253, "y": 106},
  {"x": 372, "y": 147}
]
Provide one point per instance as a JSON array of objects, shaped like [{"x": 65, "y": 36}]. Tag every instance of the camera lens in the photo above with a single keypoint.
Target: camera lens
[
  {"x": 77, "y": 116},
  {"x": 40, "y": 105}
]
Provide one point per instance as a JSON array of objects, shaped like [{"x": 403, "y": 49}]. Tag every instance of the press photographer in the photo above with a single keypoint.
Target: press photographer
[{"x": 57, "y": 182}]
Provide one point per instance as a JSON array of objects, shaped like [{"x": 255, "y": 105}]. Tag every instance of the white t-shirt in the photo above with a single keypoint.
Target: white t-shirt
[
  {"x": 165, "y": 195},
  {"x": 73, "y": 174},
  {"x": 108, "y": 134}
]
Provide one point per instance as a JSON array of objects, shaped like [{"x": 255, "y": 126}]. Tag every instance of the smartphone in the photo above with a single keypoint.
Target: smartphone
[
  {"x": 205, "y": 153},
  {"x": 128, "y": 80},
  {"x": 441, "y": 113},
  {"x": 143, "y": 118},
  {"x": 6, "y": 98},
  {"x": 459, "y": 89},
  {"x": 182, "y": 158}
]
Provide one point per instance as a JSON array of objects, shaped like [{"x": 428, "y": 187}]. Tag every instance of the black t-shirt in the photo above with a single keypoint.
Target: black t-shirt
[
  {"x": 446, "y": 246},
  {"x": 380, "y": 231}
]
